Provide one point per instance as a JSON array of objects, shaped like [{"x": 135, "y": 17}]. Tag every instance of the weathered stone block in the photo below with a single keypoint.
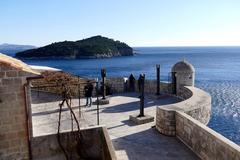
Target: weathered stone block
[
  {"x": 12, "y": 73},
  {"x": 101, "y": 101},
  {"x": 24, "y": 74},
  {"x": 2, "y": 74},
  {"x": 12, "y": 81},
  {"x": 141, "y": 120},
  {"x": 5, "y": 67}
]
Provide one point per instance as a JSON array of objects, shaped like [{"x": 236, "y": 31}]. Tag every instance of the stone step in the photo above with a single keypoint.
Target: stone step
[{"x": 121, "y": 155}]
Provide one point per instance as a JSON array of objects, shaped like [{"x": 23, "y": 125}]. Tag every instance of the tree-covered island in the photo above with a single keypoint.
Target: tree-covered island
[{"x": 93, "y": 47}]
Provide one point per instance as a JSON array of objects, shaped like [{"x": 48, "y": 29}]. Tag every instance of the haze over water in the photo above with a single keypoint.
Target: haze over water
[{"x": 217, "y": 72}]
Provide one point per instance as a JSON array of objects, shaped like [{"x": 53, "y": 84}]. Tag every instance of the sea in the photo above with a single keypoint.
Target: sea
[{"x": 217, "y": 72}]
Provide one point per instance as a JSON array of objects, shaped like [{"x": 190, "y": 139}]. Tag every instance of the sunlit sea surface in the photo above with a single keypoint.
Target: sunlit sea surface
[{"x": 217, "y": 72}]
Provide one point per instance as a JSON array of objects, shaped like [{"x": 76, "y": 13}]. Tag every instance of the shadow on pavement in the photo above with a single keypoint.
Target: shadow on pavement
[{"x": 150, "y": 144}]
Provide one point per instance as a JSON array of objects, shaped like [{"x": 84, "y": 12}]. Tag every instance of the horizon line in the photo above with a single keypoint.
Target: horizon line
[
  {"x": 144, "y": 46},
  {"x": 191, "y": 46}
]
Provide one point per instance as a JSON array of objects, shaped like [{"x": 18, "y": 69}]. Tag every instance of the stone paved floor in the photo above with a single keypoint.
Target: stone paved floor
[{"x": 134, "y": 142}]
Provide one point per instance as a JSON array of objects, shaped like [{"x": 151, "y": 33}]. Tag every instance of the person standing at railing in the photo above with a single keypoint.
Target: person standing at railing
[{"x": 88, "y": 89}]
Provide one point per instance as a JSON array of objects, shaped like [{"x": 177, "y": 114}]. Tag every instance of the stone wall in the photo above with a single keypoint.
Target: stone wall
[
  {"x": 196, "y": 103},
  {"x": 205, "y": 142},
  {"x": 118, "y": 85},
  {"x": 165, "y": 122},
  {"x": 13, "y": 121},
  {"x": 95, "y": 144},
  {"x": 187, "y": 120},
  {"x": 184, "y": 93},
  {"x": 151, "y": 87}
]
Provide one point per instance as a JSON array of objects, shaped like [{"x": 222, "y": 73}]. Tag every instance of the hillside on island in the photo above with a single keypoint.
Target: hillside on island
[{"x": 93, "y": 47}]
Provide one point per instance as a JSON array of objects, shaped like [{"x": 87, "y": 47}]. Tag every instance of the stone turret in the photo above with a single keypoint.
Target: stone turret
[{"x": 184, "y": 74}]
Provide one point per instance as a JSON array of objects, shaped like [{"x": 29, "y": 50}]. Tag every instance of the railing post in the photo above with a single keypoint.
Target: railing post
[
  {"x": 103, "y": 73},
  {"x": 158, "y": 79},
  {"x": 38, "y": 88},
  {"x": 97, "y": 102},
  {"x": 79, "y": 98},
  {"x": 141, "y": 87}
]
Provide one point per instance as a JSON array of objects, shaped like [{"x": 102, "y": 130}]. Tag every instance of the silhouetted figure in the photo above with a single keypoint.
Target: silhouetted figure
[
  {"x": 125, "y": 85},
  {"x": 88, "y": 89},
  {"x": 131, "y": 83},
  {"x": 139, "y": 84}
]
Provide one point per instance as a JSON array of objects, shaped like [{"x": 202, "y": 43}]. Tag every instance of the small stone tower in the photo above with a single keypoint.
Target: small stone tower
[{"x": 183, "y": 74}]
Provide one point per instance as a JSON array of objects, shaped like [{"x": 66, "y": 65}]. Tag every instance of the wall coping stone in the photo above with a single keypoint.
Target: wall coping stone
[{"x": 198, "y": 98}]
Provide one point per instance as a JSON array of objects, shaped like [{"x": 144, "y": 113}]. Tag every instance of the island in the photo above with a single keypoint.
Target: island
[{"x": 93, "y": 47}]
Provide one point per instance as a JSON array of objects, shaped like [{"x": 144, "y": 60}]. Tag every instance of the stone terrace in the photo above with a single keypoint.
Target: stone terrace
[{"x": 130, "y": 141}]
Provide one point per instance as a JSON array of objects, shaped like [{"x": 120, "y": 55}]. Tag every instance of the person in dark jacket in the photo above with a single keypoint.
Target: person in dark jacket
[{"x": 88, "y": 89}]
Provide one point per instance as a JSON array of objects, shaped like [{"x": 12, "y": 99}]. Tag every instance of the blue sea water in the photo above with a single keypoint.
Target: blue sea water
[{"x": 217, "y": 72}]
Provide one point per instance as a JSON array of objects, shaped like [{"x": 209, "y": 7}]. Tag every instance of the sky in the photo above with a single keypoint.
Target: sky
[{"x": 135, "y": 22}]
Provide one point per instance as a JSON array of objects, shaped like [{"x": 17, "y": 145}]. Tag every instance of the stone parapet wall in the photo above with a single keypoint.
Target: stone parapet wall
[
  {"x": 205, "y": 142},
  {"x": 187, "y": 120},
  {"x": 199, "y": 105},
  {"x": 13, "y": 121},
  {"x": 184, "y": 93},
  {"x": 118, "y": 85},
  {"x": 95, "y": 144},
  {"x": 165, "y": 122},
  {"x": 196, "y": 103},
  {"x": 151, "y": 87}
]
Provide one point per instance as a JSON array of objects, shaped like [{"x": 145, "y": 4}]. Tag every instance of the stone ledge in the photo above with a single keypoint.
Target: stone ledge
[
  {"x": 96, "y": 145},
  {"x": 101, "y": 101},
  {"x": 141, "y": 120}
]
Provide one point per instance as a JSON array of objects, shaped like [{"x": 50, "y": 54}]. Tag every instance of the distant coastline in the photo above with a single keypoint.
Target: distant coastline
[{"x": 12, "y": 49}]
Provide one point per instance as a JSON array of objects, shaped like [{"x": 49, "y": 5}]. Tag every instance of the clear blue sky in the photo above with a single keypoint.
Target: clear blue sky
[{"x": 136, "y": 22}]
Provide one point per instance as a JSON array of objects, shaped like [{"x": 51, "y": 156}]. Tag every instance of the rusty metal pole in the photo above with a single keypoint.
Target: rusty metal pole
[
  {"x": 103, "y": 73},
  {"x": 38, "y": 88},
  {"x": 79, "y": 99},
  {"x": 141, "y": 81},
  {"x": 174, "y": 83},
  {"x": 97, "y": 103},
  {"x": 158, "y": 79}
]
